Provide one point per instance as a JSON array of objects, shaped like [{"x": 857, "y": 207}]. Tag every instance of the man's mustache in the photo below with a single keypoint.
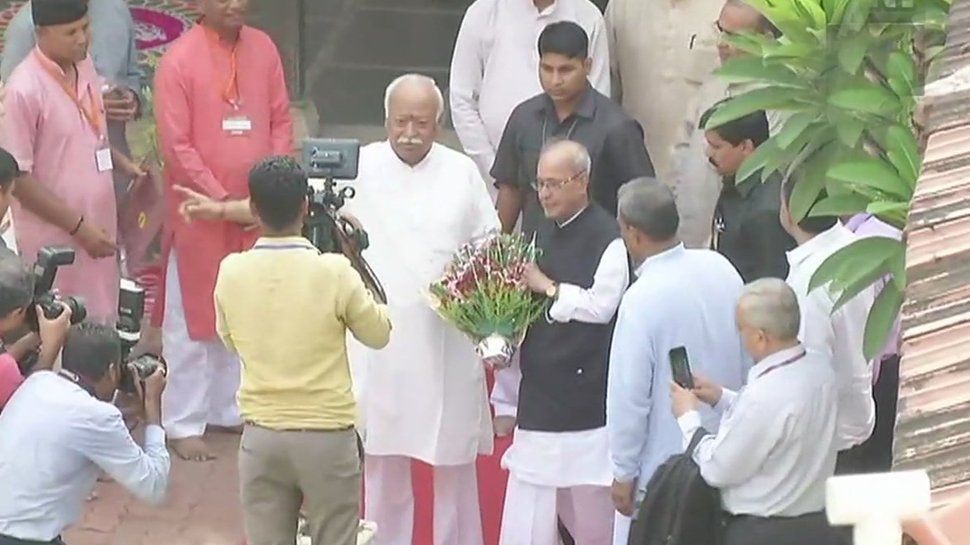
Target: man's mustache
[
  {"x": 712, "y": 162},
  {"x": 408, "y": 140}
]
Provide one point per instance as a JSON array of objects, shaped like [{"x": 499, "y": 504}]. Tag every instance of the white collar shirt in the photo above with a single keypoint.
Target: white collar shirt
[
  {"x": 776, "y": 445},
  {"x": 55, "y": 439},
  {"x": 837, "y": 336}
]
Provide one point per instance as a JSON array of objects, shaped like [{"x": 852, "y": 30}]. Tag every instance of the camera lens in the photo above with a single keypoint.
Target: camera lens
[
  {"x": 137, "y": 370},
  {"x": 78, "y": 311}
]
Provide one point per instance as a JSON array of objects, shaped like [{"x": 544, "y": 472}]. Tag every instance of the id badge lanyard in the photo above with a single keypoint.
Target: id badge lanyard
[
  {"x": 90, "y": 108},
  {"x": 236, "y": 123}
]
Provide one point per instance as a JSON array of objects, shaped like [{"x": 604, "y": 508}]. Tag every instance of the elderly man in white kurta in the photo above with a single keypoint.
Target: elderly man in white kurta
[
  {"x": 495, "y": 65},
  {"x": 424, "y": 395}
]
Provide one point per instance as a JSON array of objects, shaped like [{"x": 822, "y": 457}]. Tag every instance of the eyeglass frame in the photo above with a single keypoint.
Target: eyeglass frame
[{"x": 558, "y": 184}]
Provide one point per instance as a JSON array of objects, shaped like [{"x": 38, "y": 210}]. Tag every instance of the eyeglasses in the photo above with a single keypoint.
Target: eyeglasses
[{"x": 555, "y": 185}]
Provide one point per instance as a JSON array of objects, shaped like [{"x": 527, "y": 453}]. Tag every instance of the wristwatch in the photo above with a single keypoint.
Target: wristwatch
[{"x": 552, "y": 291}]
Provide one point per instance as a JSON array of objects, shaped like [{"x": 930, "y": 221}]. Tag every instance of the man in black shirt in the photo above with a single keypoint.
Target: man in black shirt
[
  {"x": 746, "y": 228},
  {"x": 570, "y": 109}
]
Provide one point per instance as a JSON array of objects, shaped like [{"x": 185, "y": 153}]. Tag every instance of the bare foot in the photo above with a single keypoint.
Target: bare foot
[
  {"x": 503, "y": 425},
  {"x": 225, "y": 429},
  {"x": 192, "y": 449}
]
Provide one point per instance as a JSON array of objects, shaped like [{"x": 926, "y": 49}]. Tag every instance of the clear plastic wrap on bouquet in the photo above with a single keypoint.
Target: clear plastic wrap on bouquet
[{"x": 483, "y": 294}]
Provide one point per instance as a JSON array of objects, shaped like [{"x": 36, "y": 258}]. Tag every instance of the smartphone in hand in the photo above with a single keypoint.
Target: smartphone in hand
[{"x": 680, "y": 368}]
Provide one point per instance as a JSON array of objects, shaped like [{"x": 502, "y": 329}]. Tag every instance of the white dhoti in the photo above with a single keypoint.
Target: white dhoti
[
  {"x": 389, "y": 502},
  {"x": 203, "y": 376},
  {"x": 564, "y": 474},
  {"x": 505, "y": 389},
  {"x": 621, "y": 529}
]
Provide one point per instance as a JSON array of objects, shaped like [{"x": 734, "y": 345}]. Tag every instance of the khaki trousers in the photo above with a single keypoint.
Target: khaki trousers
[{"x": 282, "y": 471}]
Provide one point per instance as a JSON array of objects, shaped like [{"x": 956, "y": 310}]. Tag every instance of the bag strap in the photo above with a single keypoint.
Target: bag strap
[{"x": 695, "y": 440}]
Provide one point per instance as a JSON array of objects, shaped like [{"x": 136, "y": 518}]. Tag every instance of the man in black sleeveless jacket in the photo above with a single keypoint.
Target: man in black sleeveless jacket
[{"x": 559, "y": 462}]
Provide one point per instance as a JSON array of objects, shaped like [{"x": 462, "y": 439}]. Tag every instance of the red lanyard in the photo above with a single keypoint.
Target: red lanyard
[
  {"x": 785, "y": 363},
  {"x": 92, "y": 109},
  {"x": 230, "y": 93}
]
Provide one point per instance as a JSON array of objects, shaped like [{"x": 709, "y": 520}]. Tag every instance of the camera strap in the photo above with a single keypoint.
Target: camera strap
[{"x": 77, "y": 379}]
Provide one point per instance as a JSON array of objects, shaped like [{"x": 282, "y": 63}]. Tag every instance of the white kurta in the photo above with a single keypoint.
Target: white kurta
[
  {"x": 423, "y": 395},
  {"x": 495, "y": 65}
]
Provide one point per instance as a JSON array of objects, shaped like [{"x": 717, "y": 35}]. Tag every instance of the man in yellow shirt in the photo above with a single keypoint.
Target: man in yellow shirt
[{"x": 285, "y": 308}]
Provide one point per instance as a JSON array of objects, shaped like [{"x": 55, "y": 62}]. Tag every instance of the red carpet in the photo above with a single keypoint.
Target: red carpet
[{"x": 491, "y": 492}]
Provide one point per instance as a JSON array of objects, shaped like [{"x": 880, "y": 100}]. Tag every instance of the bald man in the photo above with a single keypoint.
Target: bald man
[
  {"x": 559, "y": 461},
  {"x": 424, "y": 394}
]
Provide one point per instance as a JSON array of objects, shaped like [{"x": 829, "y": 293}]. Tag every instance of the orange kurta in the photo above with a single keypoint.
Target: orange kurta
[{"x": 198, "y": 108}]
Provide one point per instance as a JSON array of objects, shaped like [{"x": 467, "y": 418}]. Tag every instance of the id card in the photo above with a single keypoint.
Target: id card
[
  {"x": 237, "y": 125},
  {"x": 103, "y": 159}
]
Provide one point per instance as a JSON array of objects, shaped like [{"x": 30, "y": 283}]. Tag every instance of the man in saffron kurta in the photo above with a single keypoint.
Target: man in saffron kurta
[
  {"x": 221, "y": 106},
  {"x": 56, "y": 129}
]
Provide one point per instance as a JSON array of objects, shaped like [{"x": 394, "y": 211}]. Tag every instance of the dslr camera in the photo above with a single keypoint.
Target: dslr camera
[
  {"x": 131, "y": 309},
  {"x": 49, "y": 259}
]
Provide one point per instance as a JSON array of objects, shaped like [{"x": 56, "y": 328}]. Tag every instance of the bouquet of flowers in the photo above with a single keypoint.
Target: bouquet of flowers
[{"x": 483, "y": 293}]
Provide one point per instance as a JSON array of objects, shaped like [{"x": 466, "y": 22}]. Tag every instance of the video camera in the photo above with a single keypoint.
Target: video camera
[
  {"x": 131, "y": 309},
  {"x": 330, "y": 159},
  {"x": 334, "y": 159},
  {"x": 45, "y": 268}
]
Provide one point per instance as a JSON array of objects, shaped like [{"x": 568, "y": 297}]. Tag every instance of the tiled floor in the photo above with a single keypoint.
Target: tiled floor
[
  {"x": 202, "y": 507},
  {"x": 352, "y": 52}
]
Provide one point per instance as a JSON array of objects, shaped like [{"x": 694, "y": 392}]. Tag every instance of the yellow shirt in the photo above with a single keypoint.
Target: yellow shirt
[{"x": 285, "y": 309}]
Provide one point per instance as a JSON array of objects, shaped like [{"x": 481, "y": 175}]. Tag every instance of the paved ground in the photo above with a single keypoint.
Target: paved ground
[
  {"x": 203, "y": 504},
  {"x": 202, "y": 508}
]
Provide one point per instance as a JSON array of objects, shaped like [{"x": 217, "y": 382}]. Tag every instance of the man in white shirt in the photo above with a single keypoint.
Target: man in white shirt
[
  {"x": 696, "y": 183},
  {"x": 837, "y": 336},
  {"x": 423, "y": 396},
  {"x": 776, "y": 444},
  {"x": 495, "y": 66},
  {"x": 680, "y": 298},
  {"x": 559, "y": 459},
  {"x": 60, "y": 431}
]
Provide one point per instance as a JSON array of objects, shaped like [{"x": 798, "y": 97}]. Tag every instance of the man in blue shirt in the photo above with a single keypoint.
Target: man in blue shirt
[
  {"x": 48, "y": 475},
  {"x": 680, "y": 298}
]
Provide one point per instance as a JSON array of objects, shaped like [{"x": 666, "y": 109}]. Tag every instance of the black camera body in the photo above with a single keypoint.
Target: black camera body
[
  {"x": 49, "y": 259},
  {"x": 131, "y": 309},
  {"x": 330, "y": 159}
]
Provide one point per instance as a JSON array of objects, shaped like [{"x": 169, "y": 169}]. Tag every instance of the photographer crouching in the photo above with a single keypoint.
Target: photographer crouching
[
  {"x": 60, "y": 430},
  {"x": 16, "y": 297}
]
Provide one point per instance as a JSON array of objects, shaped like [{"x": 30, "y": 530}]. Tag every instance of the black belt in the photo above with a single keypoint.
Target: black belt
[
  {"x": 8, "y": 540},
  {"x": 730, "y": 517}
]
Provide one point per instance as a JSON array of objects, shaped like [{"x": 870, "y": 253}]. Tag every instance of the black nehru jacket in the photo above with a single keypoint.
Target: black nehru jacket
[{"x": 564, "y": 365}]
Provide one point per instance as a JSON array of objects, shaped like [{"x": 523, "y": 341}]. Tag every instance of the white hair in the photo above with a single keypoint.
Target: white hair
[
  {"x": 578, "y": 154},
  {"x": 413, "y": 78},
  {"x": 770, "y": 305}
]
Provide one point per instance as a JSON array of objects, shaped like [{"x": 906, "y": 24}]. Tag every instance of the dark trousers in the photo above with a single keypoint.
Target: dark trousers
[
  {"x": 7, "y": 540},
  {"x": 811, "y": 529},
  {"x": 875, "y": 455}
]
